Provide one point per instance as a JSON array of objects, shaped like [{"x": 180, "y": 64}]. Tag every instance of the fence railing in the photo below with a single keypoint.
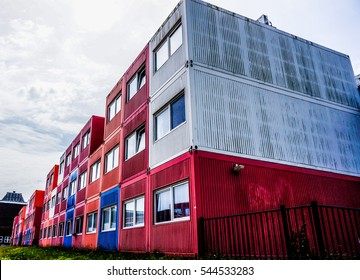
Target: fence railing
[{"x": 305, "y": 232}]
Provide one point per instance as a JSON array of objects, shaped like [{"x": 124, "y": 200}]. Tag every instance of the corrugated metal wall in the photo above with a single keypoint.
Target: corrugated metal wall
[
  {"x": 242, "y": 46},
  {"x": 235, "y": 117},
  {"x": 259, "y": 188}
]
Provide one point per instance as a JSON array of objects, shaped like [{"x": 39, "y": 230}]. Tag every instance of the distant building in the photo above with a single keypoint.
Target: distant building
[{"x": 10, "y": 206}]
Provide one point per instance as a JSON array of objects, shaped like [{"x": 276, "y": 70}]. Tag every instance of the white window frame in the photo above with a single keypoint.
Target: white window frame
[
  {"x": 79, "y": 225},
  {"x": 168, "y": 117},
  {"x": 135, "y": 222},
  {"x": 72, "y": 187},
  {"x": 95, "y": 171},
  {"x": 76, "y": 150},
  {"x": 171, "y": 199},
  {"x": 108, "y": 209},
  {"x": 166, "y": 46},
  {"x": 68, "y": 230},
  {"x": 137, "y": 135},
  {"x": 137, "y": 82},
  {"x": 113, "y": 156},
  {"x": 114, "y": 107},
  {"x": 61, "y": 168},
  {"x": 68, "y": 159},
  {"x": 83, "y": 180},
  {"x": 65, "y": 193},
  {"x": 7, "y": 239},
  {"x": 92, "y": 217},
  {"x": 54, "y": 233},
  {"x": 61, "y": 229},
  {"x": 85, "y": 140}
]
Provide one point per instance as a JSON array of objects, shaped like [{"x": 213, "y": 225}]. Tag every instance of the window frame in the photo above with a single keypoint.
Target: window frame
[
  {"x": 134, "y": 200},
  {"x": 72, "y": 187},
  {"x": 82, "y": 181},
  {"x": 105, "y": 209},
  {"x": 168, "y": 107},
  {"x": 139, "y": 76},
  {"x": 76, "y": 150},
  {"x": 171, "y": 188},
  {"x": 68, "y": 229},
  {"x": 137, "y": 133},
  {"x": 54, "y": 233},
  {"x": 93, "y": 216},
  {"x": 79, "y": 225},
  {"x": 97, "y": 167},
  {"x": 113, "y": 166},
  {"x": 61, "y": 229},
  {"x": 65, "y": 193},
  {"x": 117, "y": 103},
  {"x": 85, "y": 140},
  {"x": 166, "y": 42}
]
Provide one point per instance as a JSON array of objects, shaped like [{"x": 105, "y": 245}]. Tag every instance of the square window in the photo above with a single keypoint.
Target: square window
[
  {"x": 85, "y": 140},
  {"x": 172, "y": 203},
  {"x": 168, "y": 47},
  {"x": 108, "y": 221},
  {"x": 114, "y": 107},
  {"x": 95, "y": 171},
  {"x": 91, "y": 222},
  {"x": 136, "y": 83},
  {"x": 78, "y": 225},
  {"x": 112, "y": 159},
  {"x": 170, "y": 117},
  {"x": 76, "y": 150},
  {"x": 134, "y": 212},
  {"x": 135, "y": 142},
  {"x": 82, "y": 180},
  {"x": 68, "y": 229}
]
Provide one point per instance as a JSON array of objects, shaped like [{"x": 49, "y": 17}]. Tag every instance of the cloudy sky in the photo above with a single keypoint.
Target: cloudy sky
[{"x": 59, "y": 59}]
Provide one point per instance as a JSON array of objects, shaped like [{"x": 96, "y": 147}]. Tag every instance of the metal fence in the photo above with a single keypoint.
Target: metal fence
[{"x": 305, "y": 232}]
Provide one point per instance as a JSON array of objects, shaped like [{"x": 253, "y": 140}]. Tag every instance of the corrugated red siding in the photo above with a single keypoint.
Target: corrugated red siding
[
  {"x": 115, "y": 122},
  {"x": 180, "y": 235},
  {"x": 90, "y": 240},
  {"x": 258, "y": 187},
  {"x": 94, "y": 188},
  {"x": 133, "y": 239},
  {"x": 111, "y": 178}
]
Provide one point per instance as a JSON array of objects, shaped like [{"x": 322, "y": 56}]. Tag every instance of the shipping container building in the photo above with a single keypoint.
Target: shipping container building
[
  {"x": 18, "y": 227},
  {"x": 218, "y": 116}
]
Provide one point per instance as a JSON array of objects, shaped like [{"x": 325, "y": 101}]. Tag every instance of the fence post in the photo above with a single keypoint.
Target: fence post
[
  {"x": 286, "y": 230},
  {"x": 201, "y": 237},
  {"x": 318, "y": 231}
]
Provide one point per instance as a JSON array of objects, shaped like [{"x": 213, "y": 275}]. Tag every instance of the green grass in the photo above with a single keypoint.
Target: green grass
[{"x": 60, "y": 253}]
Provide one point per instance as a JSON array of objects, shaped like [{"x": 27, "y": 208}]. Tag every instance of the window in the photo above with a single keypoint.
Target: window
[
  {"x": 65, "y": 193},
  {"x": 91, "y": 222},
  {"x": 49, "y": 231},
  {"x": 168, "y": 47},
  {"x": 40, "y": 235},
  {"x": 170, "y": 117},
  {"x": 68, "y": 159},
  {"x": 136, "y": 83},
  {"x": 68, "y": 227},
  {"x": 7, "y": 239},
  {"x": 85, "y": 140},
  {"x": 82, "y": 180},
  {"x": 72, "y": 187},
  {"x": 54, "y": 231},
  {"x": 172, "y": 203},
  {"x": 135, "y": 142},
  {"x": 114, "y": 107},
  {"x": 76, "y": 150},
  {"x": 51, "y": 179},
  {"x": 58, "y": 198},
  {"x": 134, "y": 212},
  {"x": 112, "y": 159},
  {"x": 61, "y": 229},
  {"x": 78, "y": 225},
  {"x": 44, "y": 233},
  {"x": 53, "y": 201},
  {"x": 95, "y": 171},
  {"x": 108, "y": 219},
  {"x": 61, "y": 168}
]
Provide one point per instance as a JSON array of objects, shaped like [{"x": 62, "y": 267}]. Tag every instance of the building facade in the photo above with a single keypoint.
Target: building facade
[{"x": 219, "y": 115}]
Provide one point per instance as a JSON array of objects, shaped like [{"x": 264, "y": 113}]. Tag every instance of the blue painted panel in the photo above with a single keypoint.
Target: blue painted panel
[
  {"x": 68, "y": 239},
  {"x": 70, "y": 202},
  {"x": 73, "y": 175},
  {"x": 108, "y": 240}
]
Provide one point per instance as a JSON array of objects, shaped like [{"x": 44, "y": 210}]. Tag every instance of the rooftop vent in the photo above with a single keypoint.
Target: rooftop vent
[{"x": 265, "y": 20}]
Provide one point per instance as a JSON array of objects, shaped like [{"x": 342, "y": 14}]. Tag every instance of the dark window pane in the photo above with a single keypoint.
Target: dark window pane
[{"x": 178, "y": 112}]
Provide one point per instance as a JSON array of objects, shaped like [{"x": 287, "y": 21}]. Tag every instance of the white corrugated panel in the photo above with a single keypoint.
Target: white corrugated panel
[
  {"x": 230, "y": 42},
  {"x": 236, "y": 117}
]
